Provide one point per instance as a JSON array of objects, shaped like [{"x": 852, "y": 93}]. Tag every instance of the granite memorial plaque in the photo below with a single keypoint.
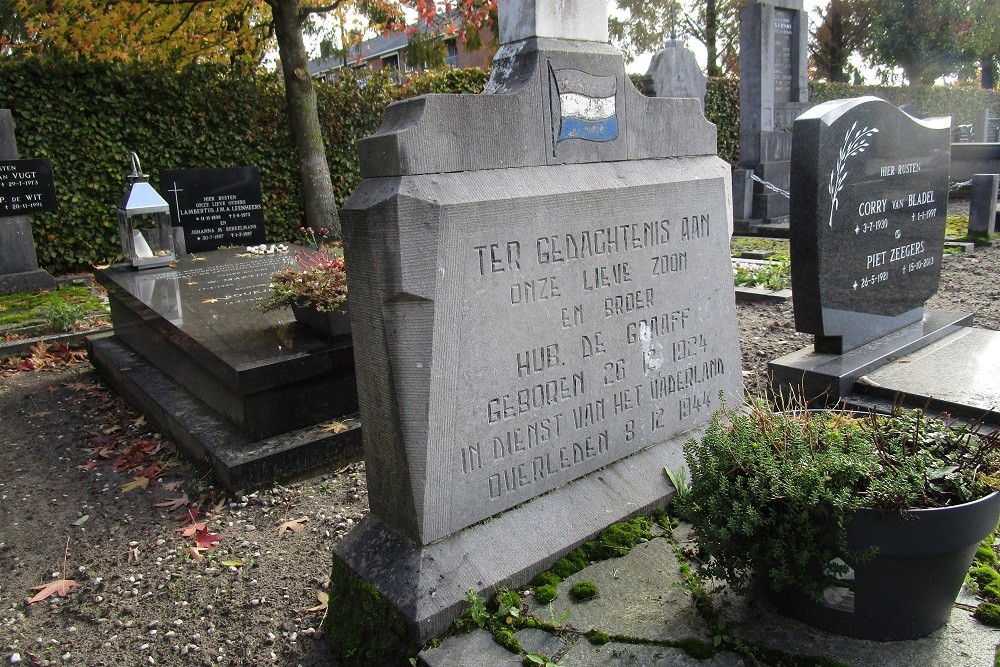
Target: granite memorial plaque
[
  {"x": 542, "y": 274},
  {"x": 869, "y": 200},
  {"x": 26, "y": 186},
  {"x": 215, "y": 207}
]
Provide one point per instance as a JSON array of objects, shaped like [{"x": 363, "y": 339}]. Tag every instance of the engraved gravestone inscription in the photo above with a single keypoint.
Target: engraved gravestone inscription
[
  {"x": 783, "y": 50},
  {"x": 215, "y": 207},
  {"x": 869, "y": 199},
  {"x": 26, "y": 186},
  {"x": 604, "y": 350}
]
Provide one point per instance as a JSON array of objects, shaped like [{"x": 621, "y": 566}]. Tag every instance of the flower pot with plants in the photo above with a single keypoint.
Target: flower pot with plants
[
  {"x": 315, "y": 290},
  {"x": 860, "y": 524}
]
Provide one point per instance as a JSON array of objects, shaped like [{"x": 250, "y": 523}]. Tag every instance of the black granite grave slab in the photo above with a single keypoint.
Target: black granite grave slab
[
  {"x": 869, "y": 199},
  {"x": 215, "y": 207},
  {"x": 827, "y": 377},
  {"x": 238, "y": 462},
  {"x": 958, "y": 374},
  {"x": 264, "y": 373}
]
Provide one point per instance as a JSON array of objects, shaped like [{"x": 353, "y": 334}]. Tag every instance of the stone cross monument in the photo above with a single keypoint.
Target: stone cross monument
[{"x": 542, "y": 276}]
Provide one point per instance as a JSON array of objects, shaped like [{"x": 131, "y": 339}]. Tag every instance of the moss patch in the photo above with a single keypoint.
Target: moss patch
[
  {"x": 362, "y": 627},
  {"x": 546, "y": 594},
  {"x": 24, "y": 308},
  {"x": 583, "y": 590}
]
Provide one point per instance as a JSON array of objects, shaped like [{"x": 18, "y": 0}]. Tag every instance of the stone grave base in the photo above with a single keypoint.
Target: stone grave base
[
  {"x": 37, "y": 280},
  {"x": 239, "y": 462},
  {"x": 959, "y": 374},
  {"x": 389, "y": 596},
  {"x": 828, "y": 378}
]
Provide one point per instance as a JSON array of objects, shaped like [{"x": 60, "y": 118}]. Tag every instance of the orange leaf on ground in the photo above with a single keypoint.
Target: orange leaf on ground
[
  {"x": 192, "y": 529},
  {"x": 295, "y": 525},
  {"x": 195, "y": 552},
  {"x": 60, "y": 587},
  {"x": 174, "y": 503},
  {"x": 207, "y": 540}
]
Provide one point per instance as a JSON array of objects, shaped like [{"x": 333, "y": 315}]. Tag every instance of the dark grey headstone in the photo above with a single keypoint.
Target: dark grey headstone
[
  {"x": 215, "y": 207},
  {"x": 19, "y": 270},
  {"x": 869, "y": 200},
  {"x": 774, "y": 90},
  {"x": 983, "y": 204}
]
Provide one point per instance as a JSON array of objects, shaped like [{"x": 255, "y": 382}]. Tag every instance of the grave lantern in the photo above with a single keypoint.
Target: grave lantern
[{"x": 144, "y": 222}]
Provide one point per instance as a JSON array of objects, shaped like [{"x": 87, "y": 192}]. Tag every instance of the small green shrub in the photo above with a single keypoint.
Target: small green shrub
[
  {"x": 63, "y": 316},
  {"x": 774, "y": 491},
  {"x": 773, "y": 276},
  {"x": 583, "y": 590}
]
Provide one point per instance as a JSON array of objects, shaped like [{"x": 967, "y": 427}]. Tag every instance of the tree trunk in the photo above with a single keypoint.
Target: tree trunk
[
  {"x": 988, "y": 65},
  {"x": 711, "y": 37},
  {"x": 303, "y": 118}
]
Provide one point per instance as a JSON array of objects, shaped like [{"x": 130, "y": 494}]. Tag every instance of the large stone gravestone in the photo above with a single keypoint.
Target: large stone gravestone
[
  {"x": 543, "y": 276},
  {"x": 29, "y": 182},
  {"x": 215, "y": 207},
  {"x": 774, "y": 90},
  {"x": 241, "y": 389},
  {"x": 869, "y": 200}
]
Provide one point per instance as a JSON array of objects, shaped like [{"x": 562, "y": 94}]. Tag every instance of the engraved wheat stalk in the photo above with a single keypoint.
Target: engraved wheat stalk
[{"x": 854, "y": 142}]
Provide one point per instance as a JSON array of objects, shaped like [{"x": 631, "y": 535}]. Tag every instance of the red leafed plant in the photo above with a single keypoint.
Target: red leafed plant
[{"x": 321, "y": 282}]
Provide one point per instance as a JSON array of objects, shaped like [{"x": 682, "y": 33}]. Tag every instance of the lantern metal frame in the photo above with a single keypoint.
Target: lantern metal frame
[{"x": 149, "y": 245}]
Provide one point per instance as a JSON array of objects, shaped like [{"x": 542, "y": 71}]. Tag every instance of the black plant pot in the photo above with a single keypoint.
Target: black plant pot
[
  {"x": 908, "y": 588},
  {"x": 334, "y": 323}
]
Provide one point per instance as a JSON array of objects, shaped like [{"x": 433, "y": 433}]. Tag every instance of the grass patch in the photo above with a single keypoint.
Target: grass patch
[
  {"x": 742, "y": 244},
  {"x": 956, "y": 226},
  {"x": 771, "y": 277},
  {"x": 60, "y": 308}
]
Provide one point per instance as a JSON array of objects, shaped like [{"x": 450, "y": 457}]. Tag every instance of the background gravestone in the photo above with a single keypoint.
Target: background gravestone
[
  {"x": 543, "y": 276},
  {"x": 774, "y": 90},
  {"x": 674, "y": 72},
  {"x": 215, "y": 207},
  {"x": 19, "y": 270}
]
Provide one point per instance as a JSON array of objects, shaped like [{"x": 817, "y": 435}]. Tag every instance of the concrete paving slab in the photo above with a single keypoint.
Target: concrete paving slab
[
  {"x": 474, "y": 648},
  {"x": 963, "y": 642},
  {"x": 640, "y": 596},
  {"x": 583, "y": 654}
]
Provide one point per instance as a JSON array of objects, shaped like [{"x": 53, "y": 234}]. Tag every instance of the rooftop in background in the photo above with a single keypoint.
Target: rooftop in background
[{"x": 388, "y": 51}]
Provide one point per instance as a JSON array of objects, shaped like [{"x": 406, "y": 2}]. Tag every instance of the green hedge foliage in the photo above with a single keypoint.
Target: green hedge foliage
[{"x": 86, "y": 117}]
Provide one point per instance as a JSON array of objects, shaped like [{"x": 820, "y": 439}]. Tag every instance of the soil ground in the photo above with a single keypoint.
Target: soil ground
[{"x": 73, "y": 505}]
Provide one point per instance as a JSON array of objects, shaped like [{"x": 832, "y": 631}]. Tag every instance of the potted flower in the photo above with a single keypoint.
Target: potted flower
[
  {"x": 316, "y": 291},
  {"x": 860, "y": 524}
]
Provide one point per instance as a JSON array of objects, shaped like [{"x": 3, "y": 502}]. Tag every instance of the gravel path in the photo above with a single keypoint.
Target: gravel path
[{"x": 142, "y": 595}]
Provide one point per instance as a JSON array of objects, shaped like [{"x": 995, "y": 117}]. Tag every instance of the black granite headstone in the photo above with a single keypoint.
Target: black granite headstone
[
  {"x": 215, "y": 207},
  {"x": 869, "y": 199},
  {"x": 26, "y": 186}
]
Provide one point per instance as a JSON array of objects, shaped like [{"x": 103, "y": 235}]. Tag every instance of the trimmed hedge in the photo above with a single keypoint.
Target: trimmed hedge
[{"x": 86, "y": 117}]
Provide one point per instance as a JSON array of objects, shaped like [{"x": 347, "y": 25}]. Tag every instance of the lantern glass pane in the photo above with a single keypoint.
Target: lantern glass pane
[{"x": 150, "y": 238}]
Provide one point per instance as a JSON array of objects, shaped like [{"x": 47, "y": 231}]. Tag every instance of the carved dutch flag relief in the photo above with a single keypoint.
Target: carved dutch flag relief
[{"x": 586, "y": 105}]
